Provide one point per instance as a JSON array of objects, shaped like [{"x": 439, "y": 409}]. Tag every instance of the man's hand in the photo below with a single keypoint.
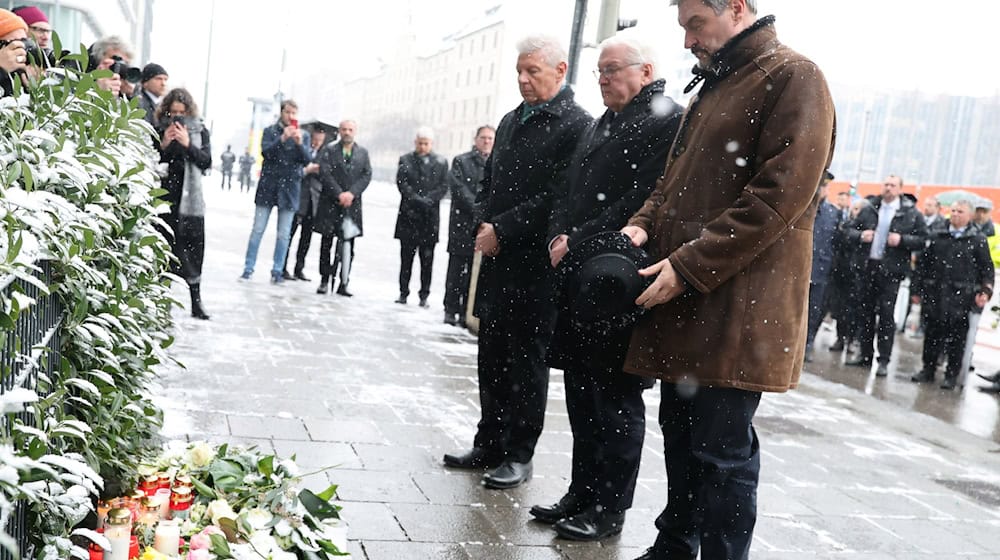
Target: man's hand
[
  {"x": 346, "y": 199},
  {"x": 666, "y": 287},
  {"x": 311, "y": 168},
  {"x": 112, "y": 84},
  {"x": 981, "y": 300},
  {"x": 288, "y": 132},
  {"x": 486, "y": 240},
  {"x": 297, "y": 136},
  {"x": 636, "y": 234},
  {"x": 894, "y": 240},
  {"x": 558, "y": 249},
  {"x": 867, "y": 236},
  {"x": 182, "y": 135},
  {"x": 13, "y": 57}
]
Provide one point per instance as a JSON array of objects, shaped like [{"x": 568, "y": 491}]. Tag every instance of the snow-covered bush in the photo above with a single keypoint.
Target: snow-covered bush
[{"x": 78, "y": 188}]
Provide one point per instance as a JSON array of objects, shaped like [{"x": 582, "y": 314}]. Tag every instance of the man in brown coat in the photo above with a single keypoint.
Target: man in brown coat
[{"x": 730, "y": 224}]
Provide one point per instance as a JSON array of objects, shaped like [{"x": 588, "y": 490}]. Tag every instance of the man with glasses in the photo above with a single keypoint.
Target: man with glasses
[
  {"x": 888, "y": 231},
  {"x": 38, "y": 25}
]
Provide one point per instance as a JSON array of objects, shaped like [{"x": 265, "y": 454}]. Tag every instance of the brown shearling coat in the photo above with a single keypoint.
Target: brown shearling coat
[{"x": 734, "y": 212}]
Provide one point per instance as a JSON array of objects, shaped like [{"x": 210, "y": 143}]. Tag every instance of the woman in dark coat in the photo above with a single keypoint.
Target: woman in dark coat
[{"x": 185, "y": 148}]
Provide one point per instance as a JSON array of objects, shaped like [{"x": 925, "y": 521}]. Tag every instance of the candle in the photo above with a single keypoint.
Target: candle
[
  {"x": 163, "y": 499},
  {"x": 149, "y": 485},
  {"x": 164, "y": 480},
  {"x": 118, "y": 530},
  {"x": 102, "y": 513},
  {"x": 180, "y": 503},
  {"x": 149, "y": 511},
  {"x": 167, "y": 537},
  {"x": 133, "y": 547}
]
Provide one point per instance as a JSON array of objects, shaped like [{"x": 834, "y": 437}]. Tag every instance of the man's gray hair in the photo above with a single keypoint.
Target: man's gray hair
[
  {"x": 425, "y": 132},
  {"x": 103, "y": 45},
  {"x": 965, "y": 202},
  {"x": 636, "y": 50},
  {"x": 549, "y": 47},
  {"x": 719, "y": 6}
]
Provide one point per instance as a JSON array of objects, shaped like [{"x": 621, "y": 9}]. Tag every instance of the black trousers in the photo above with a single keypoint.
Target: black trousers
[
  {"x": 713, "y": 465},
  {"x": 326, "y": 269},
  {"x": 817, "y": 309},
  {"x": 227, "y": 178},
  {"x": 942, "y": 335},
  {"x": 305, "y": 225},
  {"x": 244, "y": 179},
  {"x": 608, "y": 420},
  {"x": 878, "y": 292},
  {"x": 188, "y": 244},
  {"x": 456, "y": 284},
  {"x": 406, "y": 253},
  {"x": 513, "y": 386}
]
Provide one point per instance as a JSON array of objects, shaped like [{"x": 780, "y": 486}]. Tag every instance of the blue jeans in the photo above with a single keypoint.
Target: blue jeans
[{"x": 260, "y": 218}]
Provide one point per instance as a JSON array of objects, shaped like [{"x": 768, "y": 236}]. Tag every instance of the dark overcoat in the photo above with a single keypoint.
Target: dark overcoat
[
  {"x": 734, "y": 213},
  {"x": 907, "y": 221},
  {"x": 466, "y": 176},
  {"x": 281, "y": 173},
  {"x": 612, "y": 172},
  {"x": 337, "y": 176},
  {"x": 824, "y": 235},
  {"x": 422, "y": 184},
  {"x": 951, "y": 271},
  {"x": 528, "y": 163}
]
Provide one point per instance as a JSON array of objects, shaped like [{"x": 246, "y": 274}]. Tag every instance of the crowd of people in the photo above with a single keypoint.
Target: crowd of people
[{"x": 692, "y": 247}]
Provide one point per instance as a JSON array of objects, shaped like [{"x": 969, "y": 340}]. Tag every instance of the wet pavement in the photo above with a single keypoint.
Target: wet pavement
[{"x": 853, "y": 466}]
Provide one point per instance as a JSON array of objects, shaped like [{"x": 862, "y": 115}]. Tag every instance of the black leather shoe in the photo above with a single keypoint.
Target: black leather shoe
[
  {"x": 882, "y": 370},
  {"x": 450, "y": 318},
  {"x": 510, "y": 474},
  {"x": 837, "y": 346},
  {"x": 567, "y": 506},
  {"x": 342, "y": 290},
  {"x": 923, "y": 376},
  {"x": 950, "y": 382},
  {"x": 401, "y": 300},
  {"x": 859, "y": 362},
  {"x": 288, "y": 276},
  {"x": 299, "y": 275},
  {"x": 991, "y": 388},
  {"x": 477, "y": 458},
  {"x": 590, "y": 525},
  {"x": 423, "y": 303},
  {"x": 991, "y": 378},
  {"x": 324, "y": 281}
]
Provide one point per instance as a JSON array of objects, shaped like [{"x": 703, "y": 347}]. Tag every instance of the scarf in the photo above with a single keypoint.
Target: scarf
[{"x": 192, "y": 196}]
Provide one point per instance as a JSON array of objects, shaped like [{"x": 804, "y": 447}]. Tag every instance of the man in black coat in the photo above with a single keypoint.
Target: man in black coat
[
  {"x": 466, "y": 175},
  {"x": 344, "y": 173},
  {"x": 612, "y": 172},
  {"x": 954, "y": 276},
  {"x": 824, "y": 231},
  {"x": 848, "y": 263},
  {"x": 308, "y": 197},
  {"x": 423, "y": 180},
  {"x": 534, "y": 143},
  {"x": 888, "y": 232}
]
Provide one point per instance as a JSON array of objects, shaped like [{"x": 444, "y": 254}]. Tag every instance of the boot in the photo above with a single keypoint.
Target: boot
[
  {"x": 196, "y": 310},
  {"x": 324, "y": 281}
]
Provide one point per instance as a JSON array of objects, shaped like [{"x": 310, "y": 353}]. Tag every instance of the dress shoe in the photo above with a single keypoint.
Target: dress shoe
[
  {"x": 923, "y": 376},
  {"x": 837, "y": 346},
  {"x": 991, "y": 388},
  {"x": 950, "y": 382},
  {"x": 859, "y": 362},
  {"x": 590, "y": 525},
  {"x": 991, "y": 378},
  {"x": 423, "y": 303},
  {"x": 510, "y": 474},
  {"x": 450, "y": 318},
  {"x": 567, "y": 506},
  {"x": 342, "y": 291},
  {"x": 477, "y": 458},
  {"x": 287, "y": 276},
  {"x": 401, "y": 300},
  {"x": 299, "y": 275},
  {"x": 324, "y": 281},
  {"x": 882, "y": 370}
]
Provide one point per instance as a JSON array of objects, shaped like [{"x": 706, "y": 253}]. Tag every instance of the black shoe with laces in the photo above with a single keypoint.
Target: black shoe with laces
[
  {"x": 567, "y": 506},
  {"x": 590, "y": 525},
  {"x": 342, "y": 291}
]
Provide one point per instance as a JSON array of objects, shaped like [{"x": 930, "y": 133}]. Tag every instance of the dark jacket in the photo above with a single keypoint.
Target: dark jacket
[
  {"x": 734, "y": 213},
  {"x": 613, "y": 170},
  {"x": 824, "y": 232},
  {"x": 907, "y": 221},
  {"x": 226, "y": 161},
  {"x": 337, "y": 176},
  {"x": 281, "y": 173},
  {"x": 951, "y": 271},
  {"x": 528, "y": 163},
  {"x": 176, "y": 156},
  {"x": 423, "y": 182},
  {"x": 147, "y": 104},
  {"x": 466, "y": 176},
  {"x": 311, "y": 187}
]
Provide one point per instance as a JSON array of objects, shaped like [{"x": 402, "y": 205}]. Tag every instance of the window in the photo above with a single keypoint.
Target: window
[
  {"x": 468, "y": 77},
  {"x": 491, "y": 70},
  {"x": 479, "y": 75},
  {"x": 482, "y": 43}
]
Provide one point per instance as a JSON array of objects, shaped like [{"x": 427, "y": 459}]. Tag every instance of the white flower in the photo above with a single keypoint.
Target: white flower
[
  {"x": 220, "y": 509},
  {"x": 290, "y": 467},
  {"x": 259, "y": 518},
  {"x": 263, "y": 542},
  {"x": 283, "y": 528},
  {"x": 200, "y": 455},
  {"x": 279, "y": 554}
]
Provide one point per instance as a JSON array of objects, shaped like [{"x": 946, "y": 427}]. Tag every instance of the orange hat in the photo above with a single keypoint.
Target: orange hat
[{"x": 9, "y": 21}]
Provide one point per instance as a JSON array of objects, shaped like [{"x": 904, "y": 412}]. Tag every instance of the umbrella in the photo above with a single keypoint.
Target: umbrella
[
  {"x": 947, "y": 198},
  {"x": 331, "y": 130}
]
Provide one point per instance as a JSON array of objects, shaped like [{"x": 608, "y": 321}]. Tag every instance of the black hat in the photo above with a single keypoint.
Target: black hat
[
  {"x": 599, "y": 281},
  {"x": 151, "y": 71}
]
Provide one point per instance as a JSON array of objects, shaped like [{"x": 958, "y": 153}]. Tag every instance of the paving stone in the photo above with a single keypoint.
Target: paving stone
[
  {"x": 512, "y": 552},
  {"x": 444, "y": 523},
  {"x": 367, "y": 520},
  {"x": 354, "y": 431},
  {"x": 259, "y": 426},
  {"x": 319, "y": 454},
  {"x": 388, "y": 550},
  {"x": 375, "y": 486}
]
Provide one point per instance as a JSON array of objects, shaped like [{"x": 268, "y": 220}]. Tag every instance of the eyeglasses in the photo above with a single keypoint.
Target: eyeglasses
[
  {"x": 5, "y": 42},
  {"x": 40, "y": 30},
  {"x": 610, "y": 71}
]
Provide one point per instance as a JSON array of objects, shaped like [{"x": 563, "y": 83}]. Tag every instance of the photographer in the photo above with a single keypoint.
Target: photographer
[
  {"x": 113, "y": 53},
  {"x": 37, "y": 24},
  {"x": 13, "y": 56},
  {"x": 185, "y": 147}
]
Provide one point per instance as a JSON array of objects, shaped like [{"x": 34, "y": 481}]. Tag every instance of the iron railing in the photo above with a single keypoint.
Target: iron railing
[{"x": 30, "y": 348}]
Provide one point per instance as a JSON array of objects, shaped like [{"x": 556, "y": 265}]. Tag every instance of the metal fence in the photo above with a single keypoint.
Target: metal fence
[{"x": 30, "y": 348}]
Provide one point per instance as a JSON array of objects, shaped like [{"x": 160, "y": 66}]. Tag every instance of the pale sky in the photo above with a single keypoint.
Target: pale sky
[{"x": 932, "y": 46}]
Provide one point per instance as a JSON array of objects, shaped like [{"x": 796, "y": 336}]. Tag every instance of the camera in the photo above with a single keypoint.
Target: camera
[
  {"x": 130, "y": 74},
  {"x": 178, "y": 119},
  {"x": 38, "y": 56}
]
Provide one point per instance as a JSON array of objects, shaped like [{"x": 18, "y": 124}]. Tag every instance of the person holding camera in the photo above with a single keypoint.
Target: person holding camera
[
  {"x": 114, "y": 53},
  {"x": 13, "y": 55},
  {"x": 185, "y": 148},
  {"x": 38, "y": 25}
]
